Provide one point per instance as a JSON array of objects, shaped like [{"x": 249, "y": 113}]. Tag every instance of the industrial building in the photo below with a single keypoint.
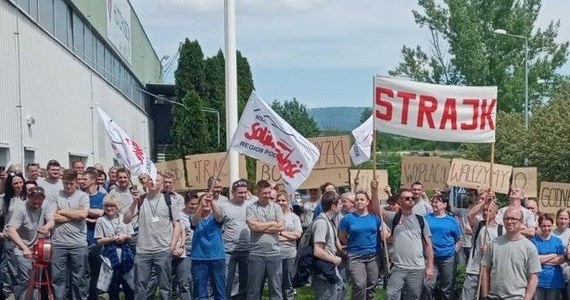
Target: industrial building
[{"x": 59, "y": 60}]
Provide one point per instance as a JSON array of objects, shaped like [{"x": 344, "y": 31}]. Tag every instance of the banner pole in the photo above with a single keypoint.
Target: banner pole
[
  {"x": 221, "y": 168},
  {"x": 487, "y": 219},
  {"x": 356, "y": 179}
]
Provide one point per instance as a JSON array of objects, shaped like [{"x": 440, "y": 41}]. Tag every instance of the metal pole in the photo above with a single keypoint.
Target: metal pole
[
  {"x": 231, "y": 87},
  {"x": 526, "y": 83}
]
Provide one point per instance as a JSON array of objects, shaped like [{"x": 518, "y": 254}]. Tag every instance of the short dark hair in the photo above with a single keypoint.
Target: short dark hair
[
  {"x": 52, "y": 163},
  {"x": 546, "y": 216},
  {"x": 328, "y": 199},
  {"x": 190, "y": 196},
  {"x": 69, "y": 174},
  {"x": 417, "y": 183},
  {"x": 91, "y": 172},
  {"x": 212, "y": 179},
  {"x": 262, "y": 184},
  {"x": 32, "y": 164},
  {"x": 324, "y": 186},
  {"x": 123, "y": 170}
]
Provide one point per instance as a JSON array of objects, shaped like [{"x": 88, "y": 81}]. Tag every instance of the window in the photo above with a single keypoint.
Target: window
[
  {"x": 24, "y": 4},
  {"x": 100, "y": 57},
  {"x": 78, "y": 40},
  {"x": 34, "y": 9},
  {"x": 29, "y": 156},
  {"x": 4, "y": 156},
  {"x": 46, "y": 15},
  {"x": 89, "y": 46},
  {"x": 62, "y": 22}
]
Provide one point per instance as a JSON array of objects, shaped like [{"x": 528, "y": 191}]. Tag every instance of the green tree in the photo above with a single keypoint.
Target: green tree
[
  {"x": 466, "y": 51},
  {"x": 549, "y": 137},
  {"x": 190, "y": 72},
  {"x": 190, "y": 129},
  {"x": 297, "y": 115},
  {"x": 215, "y": 87}
]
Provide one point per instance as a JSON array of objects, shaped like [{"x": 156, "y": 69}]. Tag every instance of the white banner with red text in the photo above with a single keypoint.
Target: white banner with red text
[
  {"x": 264, "y": 135},
  {"x": 127, "y": 150},
  {"x": 434, "y": 112}
]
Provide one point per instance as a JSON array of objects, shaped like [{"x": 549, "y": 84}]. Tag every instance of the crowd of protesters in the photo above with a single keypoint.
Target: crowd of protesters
[{"x": 110, "y": 235}]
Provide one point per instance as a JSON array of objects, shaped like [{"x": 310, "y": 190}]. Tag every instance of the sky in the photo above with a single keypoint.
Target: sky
[{"x": 322, "y": 52}]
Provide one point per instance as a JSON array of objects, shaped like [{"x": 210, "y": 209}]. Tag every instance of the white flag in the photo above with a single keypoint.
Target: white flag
[
  {"x": 360, "y": 150},
  {"x": 264, "y": 135},
  {"x": 127, "y": 151}
]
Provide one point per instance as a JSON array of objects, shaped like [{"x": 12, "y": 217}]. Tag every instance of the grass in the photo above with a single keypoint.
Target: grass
[{"x": 307, "y": 293}]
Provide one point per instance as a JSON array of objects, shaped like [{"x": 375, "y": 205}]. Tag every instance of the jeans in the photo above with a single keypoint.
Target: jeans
[
  {"x": 116, "y": 281},
  {"x": 236, "y": 288},
  {"x": 213, "y": 271},
  {"x": 443, "y": 281},
  {"x": 24, "y": 267},
  {"x": 326, "y": 291},
  {"x": 161, "y": 262},
  {"x": 180, "y": 269},
  {"x": 261, "y": 268},
  {"x": 547, "y": 294},
  {"x": 405, "y": 281},
  {"x": 364, "y": 273},
  {"x": 72, "y": 260},
  {"x": 288, "y": 265},
  {"x": 94, "y": 267}
]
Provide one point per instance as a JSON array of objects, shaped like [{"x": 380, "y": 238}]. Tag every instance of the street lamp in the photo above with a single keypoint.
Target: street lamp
[
  {"x": 504, "y": 32},
  {"x": 205, "y": 109}
]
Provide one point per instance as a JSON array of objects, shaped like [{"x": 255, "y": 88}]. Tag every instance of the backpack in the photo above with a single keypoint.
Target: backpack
[
  {"x": 168, "y": 203},
  {"x": 397, "y": 218},
  {"x": 305, "y": 257},
  {"x": 479, "y": 227}
]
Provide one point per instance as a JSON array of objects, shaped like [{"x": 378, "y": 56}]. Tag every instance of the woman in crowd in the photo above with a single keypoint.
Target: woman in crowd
[
  {"x": 288, "y": 244},
  {"x": 446, "y": 240},
  {"x": 14, "y": 195},
  {"x": 114, "y": 235},
  {"x": 208, "y": 256},
  {"x": 551, "y": 253},
  {"x": 563, "y": 233},
  {"x": 359, "y": 231}
]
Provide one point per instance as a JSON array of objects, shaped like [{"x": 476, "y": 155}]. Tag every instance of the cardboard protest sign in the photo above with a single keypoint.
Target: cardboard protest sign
[
  {"x": 334, "y": 151},
  {"x": 364, "y": 178},
  {"x": 177, "y": 168},
  {"x": 475, "y": 174},
  {"x": 435, "y": 112},
  {"x": 336, "y": 176},
  {"x": 526, "y": 179},
  {"x": 553, "y": 196},
  {"x": 432, "y": 172},
  {"x": 200, "y": 167}
]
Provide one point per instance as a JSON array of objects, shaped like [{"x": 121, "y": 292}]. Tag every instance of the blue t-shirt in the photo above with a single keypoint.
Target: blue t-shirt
[
  {"x": 445, "y": 232},
  {"x": 551, "y": 276},
  {"x": 318, "y": 210},
  {"x": 95, "y": 202},
  {"x": 207, "y": 243},
  {"x": 362, "y": 233}
]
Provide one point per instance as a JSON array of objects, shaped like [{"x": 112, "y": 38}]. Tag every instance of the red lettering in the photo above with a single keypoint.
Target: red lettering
[
  {"x": 406, "y": 97},
  {"x": 486, "y": 114},
  {"x": 475, "y": 104},
  {"x": 261, "y": 134},
  {"x": 428, "y": 105},
  {"x": 387, "y": 115},
  {"x": 449, "y": 114}
]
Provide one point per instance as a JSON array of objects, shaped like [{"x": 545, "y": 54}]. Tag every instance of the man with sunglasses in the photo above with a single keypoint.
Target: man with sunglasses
[
  {"x": 511, "y": 264},
  {"x": 411, "y": 237},
  {"x": 236, "y": 240}
]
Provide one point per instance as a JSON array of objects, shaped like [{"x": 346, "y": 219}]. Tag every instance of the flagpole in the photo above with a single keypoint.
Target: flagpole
[
  {"x": 356, "y": 180},
  {"x": 231, "y": 86},
  {"x": 487, "y": 220}
]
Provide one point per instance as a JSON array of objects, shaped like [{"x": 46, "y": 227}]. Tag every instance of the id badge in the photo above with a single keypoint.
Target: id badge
[{"x": 154, "y": 219}]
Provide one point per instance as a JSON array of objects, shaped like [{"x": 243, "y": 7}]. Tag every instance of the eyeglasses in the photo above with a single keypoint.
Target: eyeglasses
[
  {"x": 509, "y": 219},
  {"x": 12, "y": 174},
  {"x": 408, "y": 198}
]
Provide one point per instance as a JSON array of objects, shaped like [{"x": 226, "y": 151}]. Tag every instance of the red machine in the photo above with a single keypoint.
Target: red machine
[{"x": 40, "y": 274}]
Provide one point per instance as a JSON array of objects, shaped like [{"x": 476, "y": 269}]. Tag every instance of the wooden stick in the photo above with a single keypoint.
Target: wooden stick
[{"x": 487, "y": 219}]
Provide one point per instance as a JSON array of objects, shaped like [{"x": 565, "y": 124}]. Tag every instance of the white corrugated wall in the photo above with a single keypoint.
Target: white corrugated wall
[{"x": 59, "y": 92}]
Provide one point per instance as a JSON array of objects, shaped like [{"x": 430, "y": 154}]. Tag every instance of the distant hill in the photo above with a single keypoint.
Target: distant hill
[{"x": 337, "y": 118}]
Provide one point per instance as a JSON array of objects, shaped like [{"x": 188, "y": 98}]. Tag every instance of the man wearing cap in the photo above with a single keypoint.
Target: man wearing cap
[
  {"x": 52, "y": 184},
  {"x": 69, "y": 240},
  {"x": 27, "y": 224}
]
